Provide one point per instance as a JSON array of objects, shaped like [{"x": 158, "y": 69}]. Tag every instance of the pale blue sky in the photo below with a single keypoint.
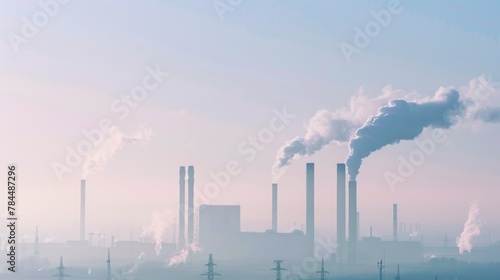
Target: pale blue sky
[{"x": 226, "y": 77}]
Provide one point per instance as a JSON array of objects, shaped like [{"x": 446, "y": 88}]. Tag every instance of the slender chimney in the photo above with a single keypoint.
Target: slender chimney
[
  {"x": 353, "y": 222},
  {"x": 275, "y": 208},
  {"x": 82, "y": 210},
  {"x": 190, "y": 203},
  {"x": 182, "y": 206},
  {"x": 310, "y": 204},
  {"x": 340, "y": 211},
  {"x": 395, "y": 222}
]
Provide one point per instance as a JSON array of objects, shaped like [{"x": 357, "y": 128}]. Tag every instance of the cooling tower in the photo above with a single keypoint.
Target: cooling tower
[
  {"x": 190, "y": 203},
  {"x": 310, "y": 204},
  {"x": 395, "y": 222},
  {"x": 82, "y": 210},
  {"x": 353, "y": 222},
  {"x": 340, "y": 211},
  {"x": 182, "y": 206},
  {"x": 275, "y": 208}
]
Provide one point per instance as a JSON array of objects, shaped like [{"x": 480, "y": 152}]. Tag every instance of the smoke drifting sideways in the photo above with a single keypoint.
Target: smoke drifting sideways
[
  {"x": 337, "y": 126},
  {"x": 472, "y": 229},
  {"x": 181, "y": 256},
  {"x": 113, "y": 140},
  {"x": 403, "y": 120}
]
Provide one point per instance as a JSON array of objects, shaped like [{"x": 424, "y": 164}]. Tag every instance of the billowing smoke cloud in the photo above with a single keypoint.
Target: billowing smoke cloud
[
  {"x": 402, "y": 120},
  {"x": 326, "y": 127},
  {"x": 157, "y": 226},
  {"x": 472, "y": 229},
  {"x": 113, "y": 140},
  {"x": 182, "y": 255}
]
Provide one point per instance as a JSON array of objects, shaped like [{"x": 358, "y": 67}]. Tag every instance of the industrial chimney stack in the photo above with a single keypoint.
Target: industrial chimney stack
[
  {"x": 341, "y": 211},
  {"x": 275, "y": 208},
  {"x": 395, "y": 222},
  {"x": 182, "y": 207},
  {"x": 82, "y": 210},
  {"x": 190, "y": 203},
  {"x": 353, "y": 222},
  {"x": 310, "y": 204}
]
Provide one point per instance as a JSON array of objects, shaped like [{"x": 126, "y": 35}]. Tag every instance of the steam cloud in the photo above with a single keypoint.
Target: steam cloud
[
  {"x": 113, "y": 141},
  {"x": 396, "y": 120},
  {"x": 182, "y": 255},
  {"x": 402, "y": 120},
  {"x": 326, "y": 127},
  {"x": 472, "y": 228},
  {"x": 157, "y": 227}
]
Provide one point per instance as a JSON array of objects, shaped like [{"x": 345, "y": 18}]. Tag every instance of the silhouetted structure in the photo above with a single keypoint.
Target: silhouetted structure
[
  {"x": 310, "y": 204},
  {"x": 395, "y": 222},
  {"x": 210, "y": 273},
  {"x": 190, "y": 204},
  {"x": 82, "y": 210},
  {"x": 275, "y": 208},
  {"x": 108, "y": 267},
  {"x": 322, "y": 273},
  {"x": 380, "y": 266},
  {"x": 341, "y": 229},
  {"x": 398, "y": 277},
  {"x": 182, "y": 207},
  {"x": 278, "y": 269},
  {"x": 61, "y": 269},
  {"x": 353, "y": 222}
]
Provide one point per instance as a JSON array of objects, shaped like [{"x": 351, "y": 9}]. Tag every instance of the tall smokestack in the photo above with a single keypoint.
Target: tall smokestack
[
  {"x": 340, "y": 211},
  {"x": 395, "y": 222},
  {"x": 82, "y": 210},
  {"x": 310, "y": 204},
  {"x": 275, "y": 207},
  {"x": 353, "y": 222},
  {"x": 182, "y": 206},
  {"x": 190, "y": 203}
]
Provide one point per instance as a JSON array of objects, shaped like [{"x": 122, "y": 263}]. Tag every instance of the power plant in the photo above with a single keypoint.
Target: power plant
[{"x": 220, "y": 234}]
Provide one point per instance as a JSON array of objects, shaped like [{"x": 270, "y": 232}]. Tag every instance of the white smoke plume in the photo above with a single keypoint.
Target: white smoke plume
[
  {"x": 156, "y": 228},
  {"x": 49, "y": 239},
  {"x": 181, "y": 255},
  {"x": 113, "y": 141},
  {"x": 89, "y": 271},
  {"x": 326, "y": 127},
  {"x": 142, "y": 254},
  {"x": 472, "y": 229},
  {"x": 475, "y": 105},
  {"x": 403, "y": 120}
]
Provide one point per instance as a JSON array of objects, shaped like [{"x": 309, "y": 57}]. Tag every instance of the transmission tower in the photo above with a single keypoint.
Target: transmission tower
[
  {"x": 397, "y": 275},
  {"x": 278, "y": 269},
  {"x": 61, "y": 269},
  {"x": 380, "y": 266},
  {"x": 108, "y": 267},
  {"x": 210, "y": 273},
  {"x": 322, "y": 273}
]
